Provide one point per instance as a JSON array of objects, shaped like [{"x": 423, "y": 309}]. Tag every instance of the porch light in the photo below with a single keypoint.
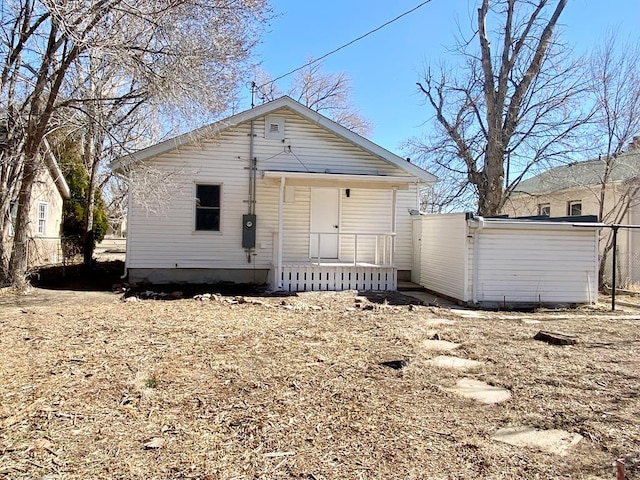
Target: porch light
[{"x": 347, "y": 192}]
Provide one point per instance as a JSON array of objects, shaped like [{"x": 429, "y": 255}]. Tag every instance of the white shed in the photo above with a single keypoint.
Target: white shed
[{"x": 502, "y": 262}]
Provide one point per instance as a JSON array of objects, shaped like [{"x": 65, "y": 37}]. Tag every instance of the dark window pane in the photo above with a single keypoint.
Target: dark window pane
[
  {"x": 208, "y": 196},
  {"x": 544, "y": 209},
  {"x": 575, "y": 208},
  {"x": 207, "y": 219},
  {"x": 208, "y": 207}
]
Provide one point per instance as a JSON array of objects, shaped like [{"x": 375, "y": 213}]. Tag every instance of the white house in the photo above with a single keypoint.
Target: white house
[{"x": 277, "y": 194}]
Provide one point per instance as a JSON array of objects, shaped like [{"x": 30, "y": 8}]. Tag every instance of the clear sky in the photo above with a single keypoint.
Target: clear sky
[{"x": 385, "y": 66}]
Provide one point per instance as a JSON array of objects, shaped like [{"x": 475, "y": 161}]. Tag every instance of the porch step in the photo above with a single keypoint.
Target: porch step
[{"x": 404, "y": 286}]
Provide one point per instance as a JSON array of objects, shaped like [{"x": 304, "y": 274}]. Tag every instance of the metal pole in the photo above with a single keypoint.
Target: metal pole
[
  {"x": 614, "y": 269},
  {"x": 355, "y": 249}
]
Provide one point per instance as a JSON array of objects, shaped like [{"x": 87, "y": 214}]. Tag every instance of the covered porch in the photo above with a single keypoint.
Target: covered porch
[{"x": 349, "y": 243}]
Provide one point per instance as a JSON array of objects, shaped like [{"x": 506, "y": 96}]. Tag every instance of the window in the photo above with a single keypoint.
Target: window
[
  {"x": 208, "y": 208},
  {"x": 42, "y": 219},
  {"x": 544, "y": 209},
  {"x": 574, "y": 208}
]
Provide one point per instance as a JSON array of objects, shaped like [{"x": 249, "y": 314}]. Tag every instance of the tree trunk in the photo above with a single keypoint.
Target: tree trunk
[
  {"x": 603, "y": 261},
  {"x": 88, "y": 235},
  {"x": 91, "y": 163},
  {"x": 18, "y": 263}
]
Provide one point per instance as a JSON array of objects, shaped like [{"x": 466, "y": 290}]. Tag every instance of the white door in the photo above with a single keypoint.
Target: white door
[{"x": 325, "y": 219}]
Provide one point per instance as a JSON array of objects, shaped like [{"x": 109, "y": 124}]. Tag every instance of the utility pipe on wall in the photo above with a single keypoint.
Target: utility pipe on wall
[{"x": 251, "y": 209}]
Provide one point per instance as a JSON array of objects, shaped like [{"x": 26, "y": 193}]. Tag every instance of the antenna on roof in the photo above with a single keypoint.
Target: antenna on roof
[{"x": 253, "y": 93}]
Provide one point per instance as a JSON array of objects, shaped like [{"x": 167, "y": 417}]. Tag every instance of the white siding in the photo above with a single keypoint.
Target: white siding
[
  {"x": 370, "y": 211},
  {"x": 166, "y": 237},
  {"x": 308, "y": 147},
  {"x": 517, "y": 263},
  {"x": 443, "y": 254},
  {"x": 548, "y": 266}
]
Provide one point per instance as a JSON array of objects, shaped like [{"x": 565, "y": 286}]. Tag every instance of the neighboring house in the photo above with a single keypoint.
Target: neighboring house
[
  {"x": 576, "y": 189},
  {"x": 277, "y": 194},
  {"x": 45, "y": 225}
]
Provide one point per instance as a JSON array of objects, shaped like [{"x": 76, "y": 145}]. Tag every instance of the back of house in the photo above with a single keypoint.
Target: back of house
[{"x": 278, "y": 194}]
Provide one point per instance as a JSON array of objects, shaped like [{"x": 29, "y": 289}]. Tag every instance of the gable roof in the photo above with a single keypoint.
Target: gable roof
[
  {"x": 265, "y": 109},
  {"x": 50, "y": 160},
  {"x": 56, "y": 174},
  {"x": 581, "y": 174}
]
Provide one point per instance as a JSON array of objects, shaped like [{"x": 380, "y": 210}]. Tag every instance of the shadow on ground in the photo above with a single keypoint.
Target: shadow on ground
[
  {"x": 100, "y": 278},
  {"x": 104, "y": 276}
]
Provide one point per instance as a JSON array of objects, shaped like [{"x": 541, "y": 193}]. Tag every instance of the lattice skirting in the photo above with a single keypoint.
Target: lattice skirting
[{"x": 300, "y": 278}]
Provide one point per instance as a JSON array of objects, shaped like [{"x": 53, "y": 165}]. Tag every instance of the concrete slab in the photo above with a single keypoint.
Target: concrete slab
[
  {"x": 480, "y": 391},
  {"x": 439, "y": 345},
  {"x": 454, "y": 362},
  {"x": 552, "y": 441},
  {"x": 468, "y": 313},
  {"x": 430, "y": 299},
  {"x": 530, "y": 321}
]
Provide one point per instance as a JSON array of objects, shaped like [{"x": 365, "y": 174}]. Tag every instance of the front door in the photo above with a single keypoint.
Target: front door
[{"x": 325, "y": 220}]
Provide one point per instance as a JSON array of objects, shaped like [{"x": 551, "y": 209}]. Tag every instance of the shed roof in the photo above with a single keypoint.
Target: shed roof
[
  {"x": 262, "y": 110},
  {"x": 582, "y": 174}
]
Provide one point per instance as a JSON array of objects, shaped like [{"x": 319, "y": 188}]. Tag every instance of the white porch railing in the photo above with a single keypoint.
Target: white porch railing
[
  {"x": 383, "y": 247},
  {"x": 364, "y": 262}
]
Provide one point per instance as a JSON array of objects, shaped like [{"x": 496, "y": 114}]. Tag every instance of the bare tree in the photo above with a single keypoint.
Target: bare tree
[
  {"x": 512, "y": 106},
  {"x": 615, "y": 82},
  {"x": 171, "y": 52},
  {"x": 327, "y": 93}
]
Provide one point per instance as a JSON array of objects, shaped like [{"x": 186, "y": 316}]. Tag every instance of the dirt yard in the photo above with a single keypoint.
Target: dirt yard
[{"x": 92, "y": 386}]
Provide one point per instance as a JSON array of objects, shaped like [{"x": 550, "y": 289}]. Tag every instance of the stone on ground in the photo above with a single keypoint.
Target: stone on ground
[
  {"x": 552, "y": 441},
  {"x": 454, "y": 362},
  {"x": 529, "y": 321},
  {"x": 439, "y": 345},
  {"x": 467, "y": 313},
  {"x": 480, "y": 391}
]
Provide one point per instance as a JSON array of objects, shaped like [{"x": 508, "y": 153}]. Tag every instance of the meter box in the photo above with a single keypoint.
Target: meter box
[{"x": 249, "y": 231}]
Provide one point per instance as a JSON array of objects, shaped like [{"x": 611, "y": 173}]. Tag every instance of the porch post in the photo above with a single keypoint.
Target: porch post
[
  {"x": 280, "y": 233},
  {"x": 394, "y": 204}
]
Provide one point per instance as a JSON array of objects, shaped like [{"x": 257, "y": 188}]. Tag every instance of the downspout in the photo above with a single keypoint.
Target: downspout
[
  {"x": 476, "y": 250},
  {"x": 126, "y": 244}
]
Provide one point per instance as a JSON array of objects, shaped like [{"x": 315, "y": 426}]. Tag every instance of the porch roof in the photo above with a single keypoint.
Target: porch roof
[{"x": 341, "y": 179}]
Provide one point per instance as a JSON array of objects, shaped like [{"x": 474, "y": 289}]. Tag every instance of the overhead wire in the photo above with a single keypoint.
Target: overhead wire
[{"x": 308, "y": 64}]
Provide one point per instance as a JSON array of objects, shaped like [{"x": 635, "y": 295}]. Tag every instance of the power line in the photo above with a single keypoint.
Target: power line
[{"x": 346, "y": 44}]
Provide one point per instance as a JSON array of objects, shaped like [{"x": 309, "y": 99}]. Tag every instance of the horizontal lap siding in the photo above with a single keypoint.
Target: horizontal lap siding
[
  {"x": 163, "y": 236},
  {"x": 295, "y": 223},
  {"x": 315, "y": 149},
  {"x": 365, "y": 211},
  {"x": 166, "y": 238},
  {"x": 443, "y": 254},
  {"x": 536, "y": 265}
]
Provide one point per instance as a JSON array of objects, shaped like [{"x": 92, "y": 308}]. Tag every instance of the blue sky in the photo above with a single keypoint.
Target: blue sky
[{"x": 385, "y": 66}]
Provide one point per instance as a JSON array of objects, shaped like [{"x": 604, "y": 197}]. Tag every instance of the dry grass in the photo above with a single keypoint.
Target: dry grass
[{"x": 265, "y": 391}]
